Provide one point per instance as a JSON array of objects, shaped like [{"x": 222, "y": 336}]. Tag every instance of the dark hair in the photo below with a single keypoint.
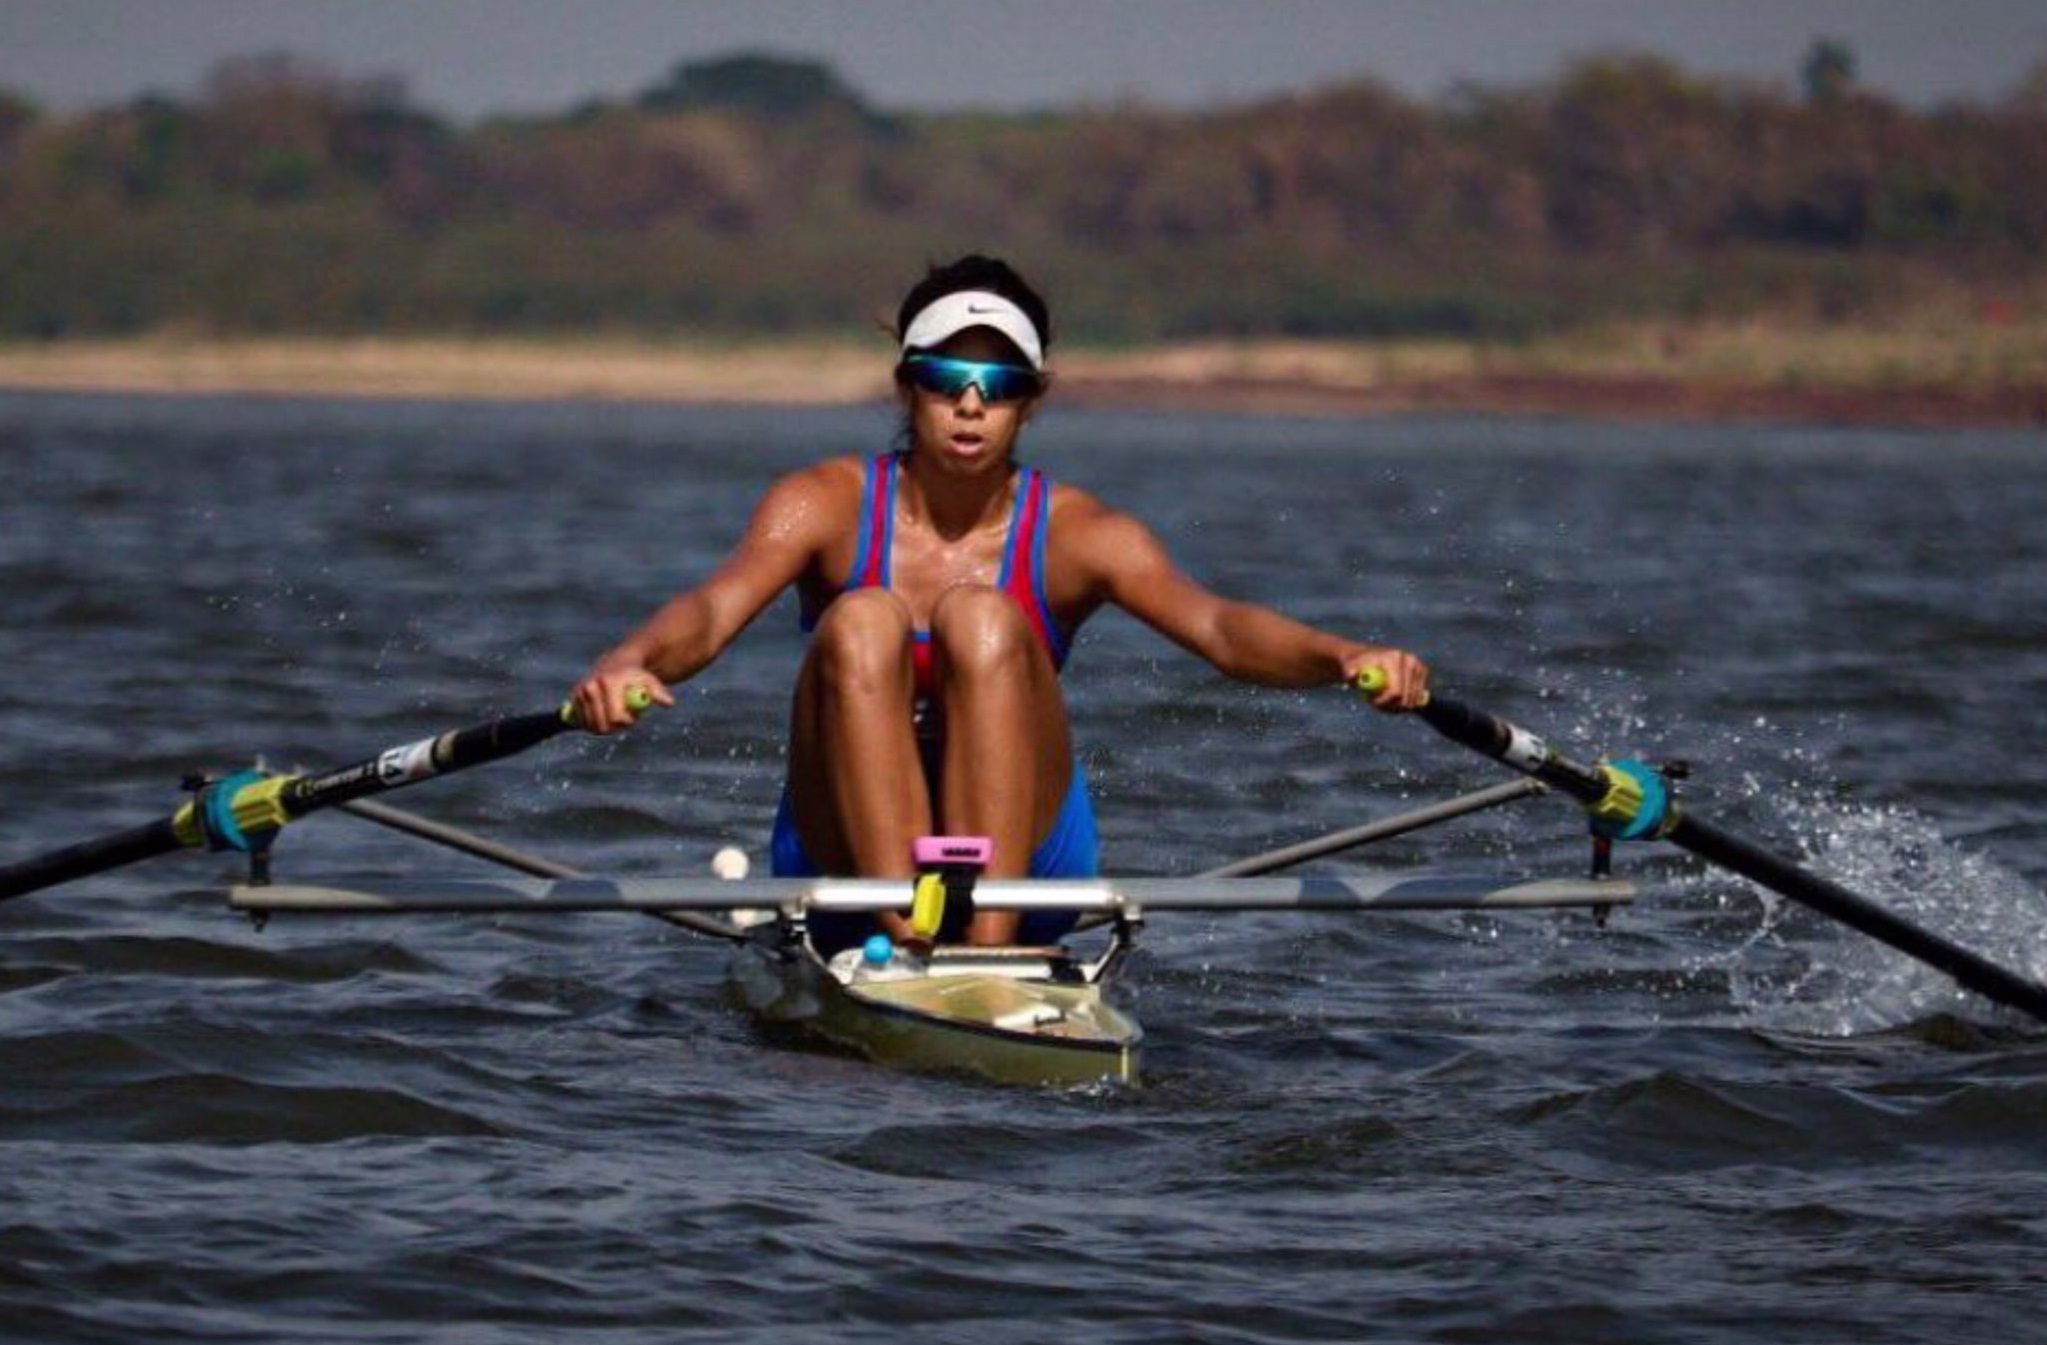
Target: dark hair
[{"x": 976, "y": 272}]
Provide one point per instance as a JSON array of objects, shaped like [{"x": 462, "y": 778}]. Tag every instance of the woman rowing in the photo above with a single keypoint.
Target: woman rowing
[{"x": 943, "y": 584}]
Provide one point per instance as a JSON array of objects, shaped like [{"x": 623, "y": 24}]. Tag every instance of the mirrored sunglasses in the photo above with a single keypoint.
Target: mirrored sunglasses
[{"x": 950, "y": 378}]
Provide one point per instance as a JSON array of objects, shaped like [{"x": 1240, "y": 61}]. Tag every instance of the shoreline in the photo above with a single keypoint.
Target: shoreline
[{"x": 1919, "y": 379}]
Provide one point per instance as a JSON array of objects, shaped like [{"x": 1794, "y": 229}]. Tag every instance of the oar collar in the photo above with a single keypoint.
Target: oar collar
[
  {"x": 1636, "y": 805},
  {"x": 243, "y": 812}
]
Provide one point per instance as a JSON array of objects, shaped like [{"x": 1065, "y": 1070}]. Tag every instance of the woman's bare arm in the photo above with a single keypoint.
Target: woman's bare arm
[
  {"x": 1243, "y": 640},
  {"x": 788, "y": 531}
]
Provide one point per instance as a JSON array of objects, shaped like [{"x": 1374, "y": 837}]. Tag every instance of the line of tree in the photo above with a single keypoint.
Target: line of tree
[{"x": 755, "y": 194}]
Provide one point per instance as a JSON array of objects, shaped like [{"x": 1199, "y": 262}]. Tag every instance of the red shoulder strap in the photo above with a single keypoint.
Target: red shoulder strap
[
  {"x": 870, "y": 554},
  {"x": 1025, "y": 583}
]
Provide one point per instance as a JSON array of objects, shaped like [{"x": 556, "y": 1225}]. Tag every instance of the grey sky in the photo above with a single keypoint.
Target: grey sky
[{"x": 470, "y": 57}]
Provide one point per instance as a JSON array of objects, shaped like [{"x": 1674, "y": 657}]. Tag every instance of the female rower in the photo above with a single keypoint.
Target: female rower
[{"x": 943, "y": 584}]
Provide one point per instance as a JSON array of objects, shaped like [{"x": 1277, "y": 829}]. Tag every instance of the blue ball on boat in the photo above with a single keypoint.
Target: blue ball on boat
[{"x": 878, "y": 950}]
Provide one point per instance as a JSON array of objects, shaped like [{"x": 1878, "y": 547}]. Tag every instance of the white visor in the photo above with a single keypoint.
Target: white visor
[{"x": 948, "y": 316}]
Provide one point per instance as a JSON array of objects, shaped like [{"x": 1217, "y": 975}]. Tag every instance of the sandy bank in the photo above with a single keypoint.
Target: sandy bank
[{"x": 1969, "y": 378}]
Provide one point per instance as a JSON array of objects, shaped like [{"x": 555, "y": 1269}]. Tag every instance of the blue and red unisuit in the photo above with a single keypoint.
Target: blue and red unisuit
[{"x": 1070, "y": 849}]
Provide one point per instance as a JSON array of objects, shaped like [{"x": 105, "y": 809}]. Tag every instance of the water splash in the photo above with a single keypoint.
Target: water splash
[
  {"x": 1795, "y": 970},
  {"x": 1834, "y": 982}
]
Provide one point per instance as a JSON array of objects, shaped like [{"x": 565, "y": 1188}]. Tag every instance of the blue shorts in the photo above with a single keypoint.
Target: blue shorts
[{"x": 1070, "y": 850}]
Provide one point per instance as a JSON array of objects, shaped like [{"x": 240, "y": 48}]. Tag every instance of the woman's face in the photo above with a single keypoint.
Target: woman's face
[{"x": 967, "y": 434}]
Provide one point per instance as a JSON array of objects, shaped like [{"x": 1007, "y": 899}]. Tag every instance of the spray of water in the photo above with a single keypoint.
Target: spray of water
[
  {"x": 1839, "y": 982},
  {"x": 1797, "y": 971}
]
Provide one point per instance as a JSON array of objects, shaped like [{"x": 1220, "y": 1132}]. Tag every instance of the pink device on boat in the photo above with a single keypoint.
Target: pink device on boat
[{"x": 937, "y": 851}]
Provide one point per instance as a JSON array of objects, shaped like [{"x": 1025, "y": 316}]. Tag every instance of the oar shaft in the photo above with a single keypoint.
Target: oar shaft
[
  {"x": 423, "y": 760},
  {"x": 1513, "y": 746},
  {"x": 1829, "y": 898},
  {"x": 89, "y": 857}
]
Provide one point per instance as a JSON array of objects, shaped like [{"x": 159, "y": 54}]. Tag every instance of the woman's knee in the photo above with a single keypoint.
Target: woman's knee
[
  {"x": 864, "y": 638},
  {"x": 978, "y": 628}
]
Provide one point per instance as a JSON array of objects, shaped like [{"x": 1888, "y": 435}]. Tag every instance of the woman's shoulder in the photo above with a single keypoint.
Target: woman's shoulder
[
  {"x": 1074, "y": 507},
  {"x": 1086, "y": 529},
  {"x": 835, "y": 471},
  {"x": 818, "y": 499},
  {"x": 831, "y": 478}
]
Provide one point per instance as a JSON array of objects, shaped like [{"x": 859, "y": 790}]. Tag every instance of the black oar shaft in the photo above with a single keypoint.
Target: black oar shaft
[
  {"x": 401, "y": 766},
  {"x": 89, "y": 857},
  {"x": 1515, "y": 747}
]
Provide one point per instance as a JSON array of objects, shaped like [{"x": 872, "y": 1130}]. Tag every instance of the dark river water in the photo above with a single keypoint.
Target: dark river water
[{"x": 1721, "y": 1119}]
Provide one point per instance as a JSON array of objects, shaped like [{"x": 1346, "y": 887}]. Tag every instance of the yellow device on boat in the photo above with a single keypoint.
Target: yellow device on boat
[{"x": 927, "y": 905}]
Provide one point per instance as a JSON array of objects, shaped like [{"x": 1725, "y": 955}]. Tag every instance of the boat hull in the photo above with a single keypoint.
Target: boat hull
[{"x": 977, "y": 1012}]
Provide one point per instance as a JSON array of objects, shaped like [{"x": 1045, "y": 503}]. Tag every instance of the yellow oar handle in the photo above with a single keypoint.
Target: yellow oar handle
[
  {"x": 638, "y": 700},
  {"x": 1374, "y": 680}
]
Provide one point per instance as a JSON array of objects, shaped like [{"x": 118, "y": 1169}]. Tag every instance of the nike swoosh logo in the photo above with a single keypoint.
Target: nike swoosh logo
[{"x": 977, "y": 308}]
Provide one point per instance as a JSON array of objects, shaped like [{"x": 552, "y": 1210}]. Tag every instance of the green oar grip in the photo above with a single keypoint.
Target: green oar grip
[
  {"x": 1374, "y": 680},
  {"x": 638, "y": 700}
]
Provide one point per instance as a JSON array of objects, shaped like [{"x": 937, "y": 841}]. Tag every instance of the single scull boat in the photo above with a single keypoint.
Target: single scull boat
[{"x": 1035, "y": 1015}]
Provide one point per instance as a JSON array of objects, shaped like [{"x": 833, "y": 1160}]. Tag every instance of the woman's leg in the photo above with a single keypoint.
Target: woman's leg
[
  {"x": 1008, "y": 756},
  {"x": 856, "y": 785}
]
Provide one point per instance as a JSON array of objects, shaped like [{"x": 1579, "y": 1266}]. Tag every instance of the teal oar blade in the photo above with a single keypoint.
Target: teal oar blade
[
  {"x": 244, "y": 812},
  {"x": 1616, "y": 796}
]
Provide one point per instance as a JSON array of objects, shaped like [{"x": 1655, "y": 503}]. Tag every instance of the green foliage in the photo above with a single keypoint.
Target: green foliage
[
  {"x": 757, "y": 83},
  {"x": 757, "y": 194},
  {"x": 2029, "y": 94},
  {"x": 1828, "y": 70},
  {"x": 17, "y": 114}
]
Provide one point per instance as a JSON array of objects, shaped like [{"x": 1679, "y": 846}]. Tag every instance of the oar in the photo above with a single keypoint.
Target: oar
[
  {"x": 245, "y": 811},
  {"x": 1630, "y": 801}
]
